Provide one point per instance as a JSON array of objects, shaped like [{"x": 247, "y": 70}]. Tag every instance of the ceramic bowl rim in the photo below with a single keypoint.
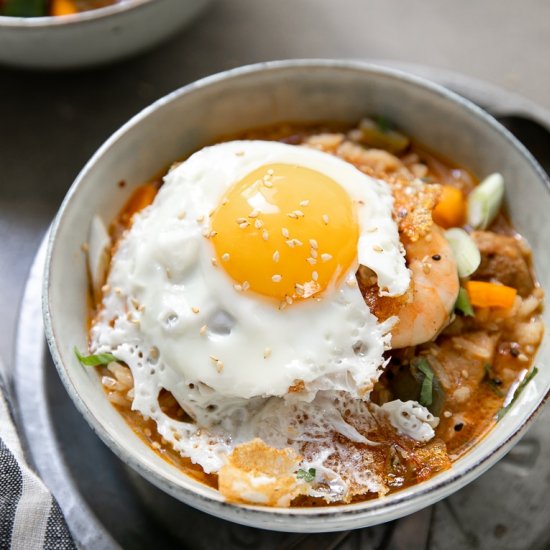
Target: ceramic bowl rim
[{"x": 313, "y": 519}]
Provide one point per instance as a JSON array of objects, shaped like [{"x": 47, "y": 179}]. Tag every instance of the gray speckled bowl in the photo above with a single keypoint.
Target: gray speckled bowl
[
  {"x": 248, "y": 97},
  {"x": 92, "y": 37}
]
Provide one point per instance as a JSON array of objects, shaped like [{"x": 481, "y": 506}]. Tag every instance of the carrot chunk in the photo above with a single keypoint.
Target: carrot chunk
[
  {"x": 451, "y": 208},
  {"x": 63, "y": 7},
  {"x": 484, "y": 294}
]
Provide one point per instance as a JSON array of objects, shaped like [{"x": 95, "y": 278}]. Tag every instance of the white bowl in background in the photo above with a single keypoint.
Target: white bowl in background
[
  {"x": 92, "y": 37},
  {"x": 258, "y": 95}
]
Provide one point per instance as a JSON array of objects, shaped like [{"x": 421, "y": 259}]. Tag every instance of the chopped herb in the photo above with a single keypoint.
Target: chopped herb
[
  {"x": 308, "y": 475},
  {"x": 493, "y": 381},
  {"x": 530, "y": 375},
  {"x": 95, "y": 360},
  {"x": 426, "y": 391},
  {"x": 384, "y": 125},
  {"x": 463, "y": 304}
]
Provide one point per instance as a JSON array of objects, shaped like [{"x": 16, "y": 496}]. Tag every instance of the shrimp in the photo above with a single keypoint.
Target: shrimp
[{"x": 425, "y": 310}]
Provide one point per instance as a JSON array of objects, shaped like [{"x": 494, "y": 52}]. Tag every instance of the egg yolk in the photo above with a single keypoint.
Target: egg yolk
[{"x": 285, "y": 231}]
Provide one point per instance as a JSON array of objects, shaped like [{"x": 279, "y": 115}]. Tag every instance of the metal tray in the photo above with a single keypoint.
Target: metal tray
[{"x": 108, "y": 506}]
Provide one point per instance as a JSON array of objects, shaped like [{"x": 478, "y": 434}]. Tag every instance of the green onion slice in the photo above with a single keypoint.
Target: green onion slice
[
  {"x": 485, "y": 201},
  {"x": 465, "y": 251},
  {"x": 308, "y": 475},
  {"x": 463, "y": 304},
  {"x": 530, "y": 375},
  {"x": 426, "y": 391},
  {"x": 94, "y": 360}
]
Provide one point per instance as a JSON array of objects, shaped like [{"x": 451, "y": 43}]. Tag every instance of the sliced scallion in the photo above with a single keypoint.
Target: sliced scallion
[
  {"x": 463, "y": 304},
  {"x": 485, "y": 201},
  {"x": 306, "y": 475},
  {"x": 530, "y": 375},
  {"x": 465, "y": 251},
  {"x": 94, "y": 360},
  {"x": 426, "y": 390}
]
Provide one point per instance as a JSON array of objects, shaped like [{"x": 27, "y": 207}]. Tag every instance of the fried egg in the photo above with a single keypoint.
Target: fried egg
[
  {"x": 241, "y": 274},
  {"x": 235, "y": 290}
]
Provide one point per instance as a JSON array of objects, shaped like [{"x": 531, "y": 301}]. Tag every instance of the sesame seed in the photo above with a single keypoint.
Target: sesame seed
[
  {"x": 225, "y": 201},
  {"x": 203, "y": 330},
  {"x": 241, "y": 220},
  {"x": 282, "y": 305},
  {"x": 105, "y": 288},
  {"x": 299, "y": 213},
  {"x": 426, "y": 268},
  {"x": 219, "y": 366},
  {"x": 447, "y": 414},
  {"x": 244, "y": 225},
  {"x": 238, "y": 288},
  {"x": 267, "y": 183},
  {"x": 276, "y": 278},
  {"x": 325, "y": 218},
  {"x": 465, "y": 373},
  {"x": 311, "y": 261},
  {"x": 326, "y": 257},
  {"x": 246, "y": 285},
  {"x": 254, "y": 214},
  {"x": 212, "y": 233},
  {"x": 352, "y": 282},
  {"x": 313, "y": 244},
  {"x": 265, "y": 235},
  {"x": 372, "y": 229},
  {"x": 181, "y": 215},
  {"x": 214, "y": 262},
  {"x": 315, "y": 276},
  {"x": 292, "y": 215},
  {"x": 226, "y": 256},
  {"x": 285, "y": 232},
  {"x": 211, "y": 213},
  {"x": 195, "y": 309},
  {"x": 267, "y": 352},
  {"x": 205, "y": 232},
  {"x": 377, "y": 248},
  {"x": 523, "y": 357},
  {"x": 299, "y": 289},
  {"x": 84, "y": 247},
  {"x": 258, "y": 224},
  {"x": 276, "y": 256},
  {"x": 200, "y": 218},
  {"x": 313, "y": 253},
  {"x": 213, "y": 358},
  {"x": 289, "y": 300}
]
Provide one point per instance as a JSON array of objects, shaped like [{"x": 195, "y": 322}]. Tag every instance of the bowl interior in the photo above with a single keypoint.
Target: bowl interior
[{"x": 239, "y": 100}]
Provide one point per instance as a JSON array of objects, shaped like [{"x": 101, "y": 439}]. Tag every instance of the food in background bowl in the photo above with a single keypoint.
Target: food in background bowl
[
  {"x": 44, "y": 8},
  {"x": 309, "y": 322}
]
